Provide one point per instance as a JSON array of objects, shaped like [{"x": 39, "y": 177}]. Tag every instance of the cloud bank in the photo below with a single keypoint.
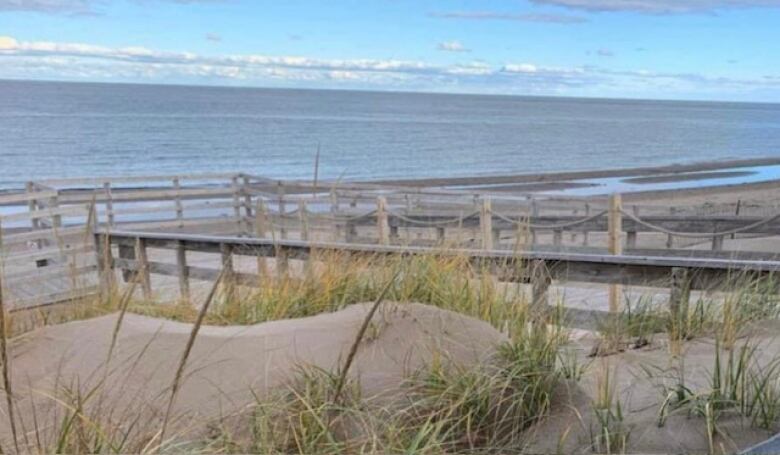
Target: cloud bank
[{"x": 81, "y": 61}]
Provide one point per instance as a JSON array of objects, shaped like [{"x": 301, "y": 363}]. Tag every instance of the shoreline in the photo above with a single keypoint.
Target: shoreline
[{"x": 553, "y": 177}]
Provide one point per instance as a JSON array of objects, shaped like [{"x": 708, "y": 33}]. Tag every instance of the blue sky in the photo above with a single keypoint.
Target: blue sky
[{"x": 668, "y": 49}]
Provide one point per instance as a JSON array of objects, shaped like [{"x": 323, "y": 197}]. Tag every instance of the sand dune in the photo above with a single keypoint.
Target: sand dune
[{"x": 229, "y": 364}]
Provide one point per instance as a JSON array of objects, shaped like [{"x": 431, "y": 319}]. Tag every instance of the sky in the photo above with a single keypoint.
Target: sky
[{"x": 659, "y": 49}]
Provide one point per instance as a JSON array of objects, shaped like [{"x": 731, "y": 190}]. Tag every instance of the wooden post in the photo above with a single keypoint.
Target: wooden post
[
  {"x": 585, "y": 234},
  {"x": 127, "y": 252},
  {"x": 534, "y": 214},
  {"x": 32, "y": 206},
  {"x": 382, "y": 226},
  {"x": 575, "y": 212},
  {"x": 302, "y": 216},
  {"x": 105, "y": 263},
  {"x": 143, "y": 267},
  {"x": 261, "y": 221},
  {"x": 717, "y": 243},
  {"x": 631, "y": 236},
  {"x": 351, "y": 232},
  {"x": 486, "y": 224},
  {"x": 228, "y": 279},
  {"x": 109, "y": 204},
  {"x": 540, "y": 282},
  {"x": 178, "y": 205},
  {"x": 615, "y": 225},
  {"x": 736, "y": 213},
  {"x": 334, "y": 211},
  {"x": 237, "y": 203},
  {"x": 184, "y": 272},
  {"x": 247, "y": 201},
  {"x": 678, "y": 295},
  {"x": 440, "y": 234},
  {"x": 282, "y": 210},
  {"x": 56, "y": 219}
]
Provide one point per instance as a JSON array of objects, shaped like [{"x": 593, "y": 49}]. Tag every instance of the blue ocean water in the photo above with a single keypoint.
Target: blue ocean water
[{"x": 52, "y": 129}]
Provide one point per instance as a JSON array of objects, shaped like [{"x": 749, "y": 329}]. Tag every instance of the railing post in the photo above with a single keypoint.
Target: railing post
[
  {"x": 678, "y": 298},
  {"x": 382, "y": 226},
  {"x": 302, "y": 216},
  {"x": 351, "y": 231},
  {"x": 56, "y": 219},
  {"x": 247, "y": 200},
  {"x": 261, "y": 221},
  {"x": 32, "y": 206},
  {"x": 669, "y": 237},
  {"x": 614, "y": 246},
  {"x": 540, "y": 282},
  {"x": 486, "y": 224},
  {"x": 178, "y": 205},
  {"x": 440, "y": 234},
  {"x": 105, "y": 264},
  {"x": 229, "y": 279},
  {"x": 142, "y": 260},
  {"x": 717, "y": 243},
  {"x": 109, "y": 204},
  {"x": 237, "y": 203},
  {"x": 282, "y": 210},
  {"x": 334, "y": 210},
  {"x": 585, "y": 234},
  {"x": 183, "y": 272},
  {"x": 534, "y": 214},
  {"x": 631, "y": 236},
  {"x": 127, "y": 252}
]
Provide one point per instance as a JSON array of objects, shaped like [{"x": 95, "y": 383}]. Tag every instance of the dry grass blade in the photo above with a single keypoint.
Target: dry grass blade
[
  {"x": 183, "y": 362},
  {"x": 6, "y": 367},
  {"x": 361, "y": 333},
  {"x": 123, "y": 304}
]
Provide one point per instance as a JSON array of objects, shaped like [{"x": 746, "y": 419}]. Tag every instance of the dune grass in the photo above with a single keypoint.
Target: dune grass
[{"x": 445, "y": 407}]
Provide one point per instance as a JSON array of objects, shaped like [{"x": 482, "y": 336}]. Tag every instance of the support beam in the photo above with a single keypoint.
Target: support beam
[
  {"x": 382, "y": 226},
  {"x": 615, "y": 246},
  {"x": 184, "y": 274},
  {"x": 143, "y": 261},
  {"x": 486, "y": 224}
]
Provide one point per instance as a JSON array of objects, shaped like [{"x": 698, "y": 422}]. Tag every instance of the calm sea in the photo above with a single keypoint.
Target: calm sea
[{"x": 68, "y": 130}]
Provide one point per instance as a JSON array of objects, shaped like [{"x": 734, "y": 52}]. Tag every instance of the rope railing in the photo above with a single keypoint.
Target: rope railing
[
  {"x": 549, "y": 226},
  {"x": 697, "y": 235},
  {"x": 455, "y": 220}
]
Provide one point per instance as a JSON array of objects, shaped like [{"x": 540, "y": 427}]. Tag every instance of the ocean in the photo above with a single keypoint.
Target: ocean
[{"x": 53, "y": 129}]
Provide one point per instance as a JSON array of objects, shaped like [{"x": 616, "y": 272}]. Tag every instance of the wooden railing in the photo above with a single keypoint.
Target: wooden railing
[
  {"x": 534, "y": 267},
  {"x": 44, "y": 224}
]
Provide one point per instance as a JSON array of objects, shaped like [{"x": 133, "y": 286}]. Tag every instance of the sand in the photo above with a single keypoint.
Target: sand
[
  {"x": 572, "y": 421},
  {"x": 229, "y": 364}
]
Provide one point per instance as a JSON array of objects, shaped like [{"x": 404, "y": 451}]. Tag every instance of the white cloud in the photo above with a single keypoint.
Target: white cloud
[
  {"x": 82, "y": 61},
  {"x": 661, "y": 6},
  {"x": 452, "y": 46}
]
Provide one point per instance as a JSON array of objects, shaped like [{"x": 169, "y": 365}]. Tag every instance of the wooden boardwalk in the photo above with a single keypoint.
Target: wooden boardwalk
[{"x": 49, "y": 251}]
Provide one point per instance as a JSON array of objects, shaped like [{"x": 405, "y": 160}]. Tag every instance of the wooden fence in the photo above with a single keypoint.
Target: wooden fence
[{"x": 536, "y": 268}]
